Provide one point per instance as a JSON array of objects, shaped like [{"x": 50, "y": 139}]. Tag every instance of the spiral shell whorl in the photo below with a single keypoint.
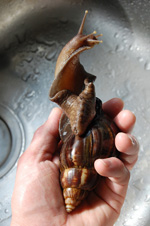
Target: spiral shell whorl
[
  {"x": 73, "y": 197},
  {"x": 83, "y": 110},
  {"x": 78, "y": 154},
  {"x": 79, "y": 109}
]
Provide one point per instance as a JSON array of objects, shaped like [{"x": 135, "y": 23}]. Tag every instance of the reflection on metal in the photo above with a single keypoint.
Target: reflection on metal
[{"x": 28, "y": 53}]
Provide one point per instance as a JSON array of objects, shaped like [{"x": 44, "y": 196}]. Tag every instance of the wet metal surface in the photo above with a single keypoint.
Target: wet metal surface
[{"x": 29, "y": 47}]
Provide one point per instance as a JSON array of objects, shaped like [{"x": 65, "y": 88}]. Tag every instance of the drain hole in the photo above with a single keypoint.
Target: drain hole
[
  {"x": 11, "y": 139},
  {"x": 5, "y": 142}
]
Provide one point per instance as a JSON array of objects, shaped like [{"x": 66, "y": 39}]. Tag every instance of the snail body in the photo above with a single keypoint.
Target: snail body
[{"x": 85, "y": 131}]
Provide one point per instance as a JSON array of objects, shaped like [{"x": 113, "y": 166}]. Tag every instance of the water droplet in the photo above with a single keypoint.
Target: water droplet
[
  {"x": 126, "y": 221},
  {"x": 34, "y": 77},
  {"x": 36, "y": 71},
  {"x": 21, "y": 105},
  {"x": 122, "y": 92},
  {"x": 63, "y": 20},
  {"x": 28, "y": 58},
  {"x": 64, "y": 133},
  {"x": 109, "y": 66},
  {"x": 138, "y": 183},
  {"x": 135, "y": 207},
  {"x": 116, "y": 35},
  {"x": 119, "y": 48},
  {"x": 112, "y": 74},
  {"x": 147, "y": 66},
  {"x": 40, "y": 51},
  {"x": 140, "y": 59},
  {"x": 25, "y": 77},
  {"x": 30, "y": 94},
  {"x": 130, "y": 47},
  {"x": 147, "y": 199},
  {"x": 42, "y": 40},
  {"x": 29, "y": 115},
  {"x": 51, "y": 53},
  {"x": 125, "y": 40},
  {"x": 33, "y": 48},
  {"x": 6, "y": 211}
]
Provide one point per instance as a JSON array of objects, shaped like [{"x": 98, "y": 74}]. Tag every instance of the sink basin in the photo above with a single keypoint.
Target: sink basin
[{"x": 31, "y": 37}]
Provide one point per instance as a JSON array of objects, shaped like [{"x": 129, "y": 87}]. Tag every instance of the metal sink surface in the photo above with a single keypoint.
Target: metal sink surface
[{"x": 32, "y": 33}]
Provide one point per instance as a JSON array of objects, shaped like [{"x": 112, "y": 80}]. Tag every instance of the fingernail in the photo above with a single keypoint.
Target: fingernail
[
  {"x": 106, "y": 162},
  {"x": 133, "y": 139},
  {"x": 53, "y": 111}
]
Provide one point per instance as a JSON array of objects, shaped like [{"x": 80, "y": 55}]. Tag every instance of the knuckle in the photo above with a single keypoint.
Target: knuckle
[
  {"x": 128, "y": 175},
  {"x": 38, "y": 132}
]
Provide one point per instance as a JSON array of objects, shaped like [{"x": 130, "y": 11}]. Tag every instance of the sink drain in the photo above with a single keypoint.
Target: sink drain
[
  {"x": 11, "y": 139},
  {"x": 5, "y": 141}
]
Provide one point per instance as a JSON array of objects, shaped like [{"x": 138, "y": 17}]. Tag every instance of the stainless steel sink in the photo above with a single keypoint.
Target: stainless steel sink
[{"x": 32, "y": 34}]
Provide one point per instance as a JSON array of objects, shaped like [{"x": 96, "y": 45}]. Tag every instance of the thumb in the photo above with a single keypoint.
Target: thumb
[{"x": 46, "y": 138}]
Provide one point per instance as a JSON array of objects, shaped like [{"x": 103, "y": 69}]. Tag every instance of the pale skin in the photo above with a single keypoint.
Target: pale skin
[{"x": 37, "y": 198}]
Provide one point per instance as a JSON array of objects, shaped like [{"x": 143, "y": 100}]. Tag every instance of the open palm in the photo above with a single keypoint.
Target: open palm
[{"x": 37, "y": 198}]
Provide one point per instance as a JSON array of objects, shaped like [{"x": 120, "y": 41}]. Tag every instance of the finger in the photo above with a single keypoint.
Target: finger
[
  {"x": 112, "y": 168},
  {"x": 50, "y": 126},
  {"x": 125, "y": 120},
  {"x": 129, "y": 148},
  {"x": 45, "y": 139},
  {"x": 113, "y": 107},
  {"x": 113, "y": 188}
]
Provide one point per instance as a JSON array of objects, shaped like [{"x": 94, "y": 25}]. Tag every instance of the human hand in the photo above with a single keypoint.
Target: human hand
[{"x": 37, "y": 198}]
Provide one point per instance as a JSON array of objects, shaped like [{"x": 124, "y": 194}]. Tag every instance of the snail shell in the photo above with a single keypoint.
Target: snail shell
[
  {"x": 78, "y": 154},
  {"x": 85, "y": 131}
]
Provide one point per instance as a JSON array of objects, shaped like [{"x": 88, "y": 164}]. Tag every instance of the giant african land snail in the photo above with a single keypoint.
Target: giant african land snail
[{"x": 85, "y": 131}]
